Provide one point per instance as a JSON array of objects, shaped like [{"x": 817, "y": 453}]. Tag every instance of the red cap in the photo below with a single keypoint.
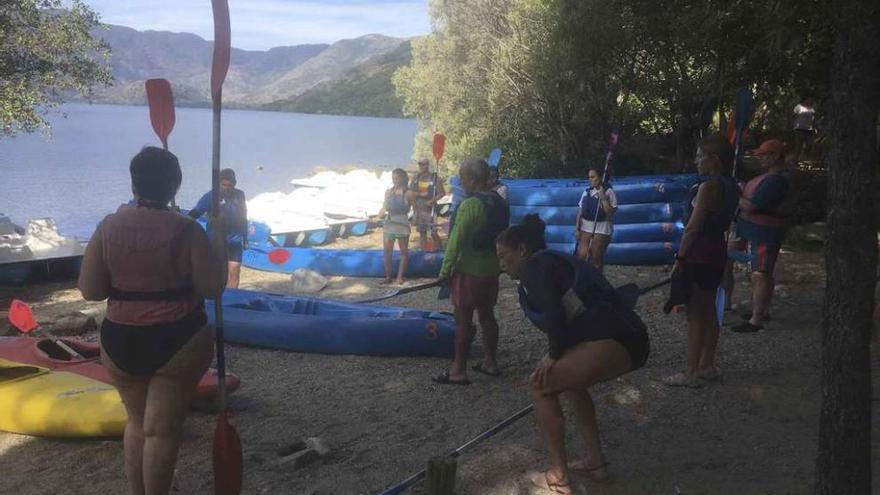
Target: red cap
[{"x": 771, "y": 147}]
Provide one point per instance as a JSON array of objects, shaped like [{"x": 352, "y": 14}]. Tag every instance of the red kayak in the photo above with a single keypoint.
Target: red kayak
[{"x": 84, "y": 358}]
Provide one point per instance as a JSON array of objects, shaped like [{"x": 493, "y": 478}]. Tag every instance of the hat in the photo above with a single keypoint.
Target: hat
[
  {"x": 770, "y": 147},
  {"x": 424, "y": 161}
]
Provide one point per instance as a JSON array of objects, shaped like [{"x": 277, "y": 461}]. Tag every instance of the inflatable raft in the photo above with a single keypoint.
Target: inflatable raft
[
  {"x": 325, "y": 326},
  {"x": 37, "y": 401},
  {"x": 51, "y": 354},
  {"x": 345, "y": 262}
]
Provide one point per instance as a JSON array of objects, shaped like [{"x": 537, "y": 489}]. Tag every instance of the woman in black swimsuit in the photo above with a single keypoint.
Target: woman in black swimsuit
[
  {"x": 154, "y": 266},
  {"x": 593, "y": 338}
]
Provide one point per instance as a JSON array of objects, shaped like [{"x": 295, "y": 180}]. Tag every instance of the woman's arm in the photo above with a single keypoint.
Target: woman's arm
[
  {"x": 208, "y": 270},
  {"x": 540, "y": 278},
  {"x": 608, "y": 201},
  {"x": 94, "y": 279},
  {"x": 707, "y": 195}
]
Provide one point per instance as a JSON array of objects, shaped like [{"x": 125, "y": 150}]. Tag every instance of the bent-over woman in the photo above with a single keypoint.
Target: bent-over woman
[
  {"x": 395, "y": 210},
  {"x": 594, "y": 225},
  {"x": 701, "y": 260},
  {"x": 593, "y": 337},
  {"x": 154, "y": 266}
]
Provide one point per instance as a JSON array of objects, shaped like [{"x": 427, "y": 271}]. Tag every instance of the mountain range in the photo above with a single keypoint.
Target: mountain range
[{"x": 349, "y": 77}]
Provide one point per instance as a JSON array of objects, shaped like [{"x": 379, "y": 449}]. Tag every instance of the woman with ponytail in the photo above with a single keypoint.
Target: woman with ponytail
[{"x": 593, "y": 337}]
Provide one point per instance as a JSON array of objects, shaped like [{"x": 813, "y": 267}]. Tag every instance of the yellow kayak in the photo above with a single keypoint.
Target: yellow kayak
[{"x": 40, "y": 402}]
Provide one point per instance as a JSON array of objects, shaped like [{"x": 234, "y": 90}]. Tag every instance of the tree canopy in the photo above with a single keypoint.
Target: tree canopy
[
  {"x": 45, "y": 52},
  {"x": 545, "y": 79}
]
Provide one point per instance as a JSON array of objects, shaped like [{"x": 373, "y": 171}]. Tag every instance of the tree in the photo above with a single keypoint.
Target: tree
[
  {"x": 843, "y": 465},
  {"x": 45, "y": 52}
]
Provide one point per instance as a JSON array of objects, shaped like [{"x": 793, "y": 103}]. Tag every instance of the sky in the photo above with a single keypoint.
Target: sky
[{"x": 262, "y": 24}]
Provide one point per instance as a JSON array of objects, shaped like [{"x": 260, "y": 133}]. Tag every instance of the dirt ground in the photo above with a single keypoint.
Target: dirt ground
[{"x": 754, "y": 433}]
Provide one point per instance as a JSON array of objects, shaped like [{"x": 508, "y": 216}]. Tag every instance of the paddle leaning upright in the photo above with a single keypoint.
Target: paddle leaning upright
[
  {"x": 227, "y": 445},
  {"x": 599, "y": 203}
]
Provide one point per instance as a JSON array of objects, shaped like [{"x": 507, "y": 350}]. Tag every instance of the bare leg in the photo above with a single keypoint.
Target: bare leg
[
  {"x": 234, "y": 276},
  {"x": 168, "y": 398},
  {"x": 435, "y": 236},
  {"x": 489, "y": 330},
  {"x": 583, "y": 246},
  {"x": 710, "y": 329},
  {"x": 464, "y": 334},
  {"x": 593, "y": 461},
  {"x": 548, "y": 414},
  {"x": 388, "y": 246},
  {"x": 423, "y": 240},
  {"x": 762, "y": 295},
  {"x": 600, "y": 245},
  {"x": 133, "y": 391},
  {"x": 404, "y": 258}
]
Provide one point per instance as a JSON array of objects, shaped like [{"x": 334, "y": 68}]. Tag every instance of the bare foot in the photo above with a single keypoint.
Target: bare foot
[
  {"x": 399, "y": 281},
  {"x": 596, "y": 470},
  {"x": 551, "y": 482},
  {"x": 386, "y": 281},
  {"x": 682, "y": 380}
]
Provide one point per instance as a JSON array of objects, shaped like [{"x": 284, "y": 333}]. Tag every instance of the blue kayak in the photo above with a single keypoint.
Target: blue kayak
[
  {"x": 631, "y": 253},
  {"x": 326, "y": 326},
  {"x": 653, "y": 192},
  {"x": 345, "y": 262},
  {"x": 634, "y": 232},
  {"x": 566, "y": 215}
]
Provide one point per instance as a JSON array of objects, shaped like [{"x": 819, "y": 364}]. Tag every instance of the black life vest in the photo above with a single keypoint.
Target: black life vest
[
  {"x": 717, "y": 222},
  {"x": 589, "y": 292},
  {"x": 497, "y": 220},
  {"x": 590, "y": 205}
]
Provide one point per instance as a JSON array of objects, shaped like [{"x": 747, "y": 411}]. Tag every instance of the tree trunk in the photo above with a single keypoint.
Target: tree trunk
[{"x": 843, "y": 465}]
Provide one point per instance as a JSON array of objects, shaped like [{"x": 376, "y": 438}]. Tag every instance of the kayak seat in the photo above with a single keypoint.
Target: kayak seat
[
  {"x": 55, "y": 351},
  {"x": 15, "y": 372}
]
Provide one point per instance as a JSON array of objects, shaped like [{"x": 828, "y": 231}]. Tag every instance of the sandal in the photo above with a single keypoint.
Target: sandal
[
  {"x": 580, "y": 467},
  {"x": 542, "y": 481},
  {"x": 682, "y": 380},
  {"x": 479, "y": 368}
]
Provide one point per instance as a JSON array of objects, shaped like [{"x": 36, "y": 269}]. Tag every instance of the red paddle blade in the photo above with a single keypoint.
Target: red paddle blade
[
  {"x": 161, "y": 102},
  {"x": 222, "y": 46},
  {"x": 439, "y": 146},
  {"x": 227, "y": 457},
  {"x": 21, "y": 316},
  {"x": 279, "y": 256}
]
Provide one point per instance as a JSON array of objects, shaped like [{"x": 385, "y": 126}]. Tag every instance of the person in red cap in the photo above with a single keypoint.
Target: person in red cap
[{"x": 764, "y": 208}]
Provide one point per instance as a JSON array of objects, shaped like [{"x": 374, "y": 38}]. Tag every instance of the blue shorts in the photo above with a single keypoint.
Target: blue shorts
[{"x": 233, "y": 252}]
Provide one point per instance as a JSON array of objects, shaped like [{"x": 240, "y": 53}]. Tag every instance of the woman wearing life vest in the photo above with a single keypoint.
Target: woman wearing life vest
[
  {"x": 154, "y": 267},
  {"x": 594, "y": 225},
  {"x": 764, "y": 208},
  {"x": 701, "y": 259},
  {"x": 398, "y": 201},
  {"x": 592, "y": 338},
  {"x": 470, "y": 269}
]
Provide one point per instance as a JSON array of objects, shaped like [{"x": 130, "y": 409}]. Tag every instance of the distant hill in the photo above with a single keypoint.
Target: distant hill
[
  {"x": 365, "y": 90},
  {"x": 349, "y": 77}
]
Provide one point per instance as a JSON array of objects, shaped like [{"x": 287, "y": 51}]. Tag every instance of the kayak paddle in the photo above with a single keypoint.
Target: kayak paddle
[
  {"x": 401, "y": 291},
  {"x": 161, "y": 103},
  {"x": 227, "y": 444},
  {"x": 745, "y": 109},
  {"x": 22, "y": 317},
  {"x": 494, "y": 157},
  {"x": 439, "y": 147}
]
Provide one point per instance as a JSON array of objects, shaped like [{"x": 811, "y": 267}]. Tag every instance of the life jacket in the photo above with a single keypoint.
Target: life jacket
[
  {"x": 395, "y": 203},
  {"x": 141, "y": 247},
  {"x": 590, "y": 205},
  {"x": 778, "y": 217},
  {"x": 424, "y": 187},
  {"x": 716, "y": 222},
  {"x": 589, "y": 292},
  {"x": 497, "y": 220}
]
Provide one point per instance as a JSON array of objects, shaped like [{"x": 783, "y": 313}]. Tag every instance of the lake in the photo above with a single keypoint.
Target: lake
[{"x": 80, "y": 173}]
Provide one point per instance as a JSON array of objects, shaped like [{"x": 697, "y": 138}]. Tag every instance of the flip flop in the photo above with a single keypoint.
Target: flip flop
[
  {"x": 443, "y": 379},
  {"x": 747, "y": 327},
  {"x": 682, "y": 380},
  {"x": 479, "y": 369}
]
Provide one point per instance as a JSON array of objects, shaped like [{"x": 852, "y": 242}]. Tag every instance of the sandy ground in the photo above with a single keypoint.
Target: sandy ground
[{"x": 755, "y": 433}]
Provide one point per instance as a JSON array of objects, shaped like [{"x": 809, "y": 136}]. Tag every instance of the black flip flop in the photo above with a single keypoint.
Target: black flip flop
[
  {"x": 443, "y": 379},
  {"x": 479, "y": 369},
  {"x": 747, "y": 327}
]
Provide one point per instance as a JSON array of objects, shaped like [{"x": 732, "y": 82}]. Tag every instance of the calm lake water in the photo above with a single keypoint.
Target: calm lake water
[{"x": 81, "y": 173}]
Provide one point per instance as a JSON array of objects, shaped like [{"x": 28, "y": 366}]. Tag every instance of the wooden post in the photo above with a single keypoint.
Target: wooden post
[{"x": 441, "y": 475}]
